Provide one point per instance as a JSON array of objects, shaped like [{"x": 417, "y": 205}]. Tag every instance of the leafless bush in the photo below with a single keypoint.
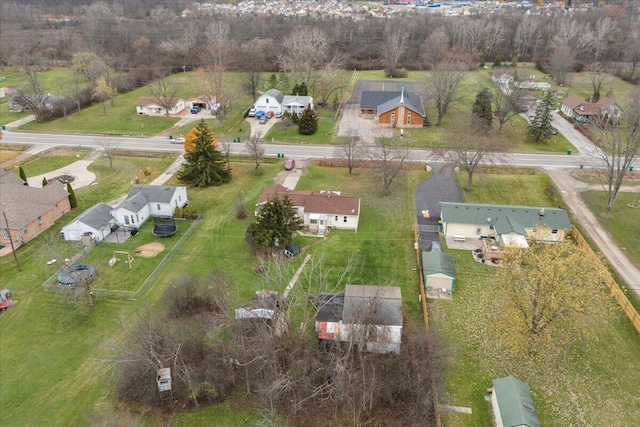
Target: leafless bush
[{"x": 189, "y": 295}]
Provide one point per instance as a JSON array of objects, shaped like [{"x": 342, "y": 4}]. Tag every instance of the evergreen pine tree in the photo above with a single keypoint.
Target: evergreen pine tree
[
  {"x": 294, "y": 117},
  {"x": 308, "y": 122},
  {"x": 23, "y": 176},
  {"x": 273, "y": 81},
  {"x": 300, "y": 89},
  {"x": 73, "y": 202},
  {"x": 275, "y": 225},
  {"x": 44, "y": 182},
  {"x": 540, "y": 127},
  {"x": 482, "y": 114},
  {"x": 205, "y": 165}
]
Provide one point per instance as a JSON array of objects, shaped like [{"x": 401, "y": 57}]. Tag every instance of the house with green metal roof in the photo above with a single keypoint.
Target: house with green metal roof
[
  {"x": 439, "y": 271},
  {"x": 509, "y": 225},
  {"x": 512, "y": 403}
]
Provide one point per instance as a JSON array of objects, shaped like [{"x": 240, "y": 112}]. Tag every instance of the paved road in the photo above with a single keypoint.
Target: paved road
[{"x": 550, "y": 162}]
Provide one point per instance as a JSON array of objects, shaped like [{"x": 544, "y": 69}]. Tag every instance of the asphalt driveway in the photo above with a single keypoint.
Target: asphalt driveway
[{"x": 441, "y": 186}]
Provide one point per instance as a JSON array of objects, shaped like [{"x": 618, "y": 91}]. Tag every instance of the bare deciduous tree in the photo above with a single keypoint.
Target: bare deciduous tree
[
  {"x": 307, "y": 55},
  {"x": 225, "y": 149},
  {"x": 165, "y": 93},
  {"x": 435, "y": 47},
  {"x": 444, "y": 86},
  {"x": 619, "y": 148},
  {"x": 396, "y": 39},
  {"x": 349, "y": 151},
  {"x": 506, "y": 102},
  {"x": 109, "y": 146},
  {"x": 561, "y": 63},
  {"x": 388, "y": 160},
  {"x": 255, "y": 148},
  {"x": 466, "y": 148},
  {"x": 598, "y": 79}
]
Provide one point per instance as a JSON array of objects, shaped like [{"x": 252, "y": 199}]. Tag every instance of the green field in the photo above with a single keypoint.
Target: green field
[
  {"x": 565, "y": 393},
  {"x": 623, "y": 224}
]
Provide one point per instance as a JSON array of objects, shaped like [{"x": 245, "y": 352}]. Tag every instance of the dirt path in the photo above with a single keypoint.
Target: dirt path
[{"x": 571, "y": 189}]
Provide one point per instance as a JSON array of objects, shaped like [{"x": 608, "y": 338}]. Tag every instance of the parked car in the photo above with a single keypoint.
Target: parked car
[
  {"x": 278, "y": 114},
  {"x": 178, "y": 140},
  {"x": 290, "y": 165},
  {"x": 252, "y": 112},
  {"x": 262, "y": 120},
  {"x": 195, "y": 109},
  {"x": 270, "y": 114},
  {"x": 259, "y": 114}
]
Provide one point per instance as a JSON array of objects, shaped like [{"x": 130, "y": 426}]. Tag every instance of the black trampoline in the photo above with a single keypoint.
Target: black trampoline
[
  {"x": 77, "y": 275},
  {"x": 164, "y": 227}
]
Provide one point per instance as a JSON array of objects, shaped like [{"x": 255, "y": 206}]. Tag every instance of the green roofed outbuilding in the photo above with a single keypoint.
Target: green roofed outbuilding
[
  {"x": 512, "y": 403},
  {"x": 439, "y": 271}
]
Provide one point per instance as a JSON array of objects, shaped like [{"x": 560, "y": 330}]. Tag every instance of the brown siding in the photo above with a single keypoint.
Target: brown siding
[{"x": 401, "y": 115}]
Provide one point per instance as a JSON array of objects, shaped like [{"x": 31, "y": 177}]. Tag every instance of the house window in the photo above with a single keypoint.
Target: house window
[
  {"x": 24, "y": 230},
  {"x": 126, "y": 220},
  {"x": 393, "y": 117},
  {"x": 158, "y": 206},
  {"x": 313, "y": 221},
  {"x": 345, "y": 219},
  {"x": 179, "y": 197},
  {"x": 336, "y": 217},
  {"x": 137, "y": 219},
  {"x": 132, "y": 221},
  {"x": 266, "y": 100},
  {"x": 554, "y": 231},
  {"x": 40, "y": 220},
  {"x": 5, "y": 233},
  {"x": 409, "y": 118}
]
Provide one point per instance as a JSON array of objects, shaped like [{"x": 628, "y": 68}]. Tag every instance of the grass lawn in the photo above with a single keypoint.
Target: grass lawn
[
  {"x": 11, "y": 151},
  {"x": 510, "y": 186},
  {"x": 324, "y": 135},
  {"x": 52, "y": 160},
  {"x": 591, "y": 386},
  {"x": 623, "y": 224}
]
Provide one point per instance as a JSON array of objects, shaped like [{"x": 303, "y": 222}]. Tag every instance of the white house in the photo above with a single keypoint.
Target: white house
[
  {"x": 370, "y": 317},
  {"x": 296, "y": 104},
  {"x": 509, "y": 225},
  {"x": 150, "y": 106},
  {"x": 274, "y": 100},
  {"x": 319, "y": 210},
  {"x": 96, "y": 221},
  {"x": 144, "y": 201},
  {"x": 271, "y": 100}
]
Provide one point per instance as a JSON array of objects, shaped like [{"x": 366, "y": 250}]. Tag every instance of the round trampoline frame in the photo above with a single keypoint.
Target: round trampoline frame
[
  {"x": 164, "y": 227},
  {"x": 77, "y": 275}
]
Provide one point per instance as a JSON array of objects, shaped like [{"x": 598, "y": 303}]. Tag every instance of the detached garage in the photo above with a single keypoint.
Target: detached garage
[
  {"x": 439, "y": 271},
  {"x": 512, "y": 403},
  {"x": 95, "y": 221}
]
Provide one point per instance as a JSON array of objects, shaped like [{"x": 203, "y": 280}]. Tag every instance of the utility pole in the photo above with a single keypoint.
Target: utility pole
[{"x": 13, "y": 249}]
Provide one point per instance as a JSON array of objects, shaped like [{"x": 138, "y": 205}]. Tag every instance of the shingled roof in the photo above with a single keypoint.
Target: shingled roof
[
  {"x": 143, "y": 101},
  {"x": 408, "y": 99},
  {"x": 371, "y": 99},
  {"x": 505, "y": 219},
  {"x": 141, "y": 194},
  {"x": 326, "y": 202},
  {"x": 97, "y": 216},
  {"x": 23, "y": 203}
]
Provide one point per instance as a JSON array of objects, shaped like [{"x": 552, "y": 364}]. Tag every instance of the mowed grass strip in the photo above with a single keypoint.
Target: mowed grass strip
[
  {"x": 52, "y": 160},
  {"x": 566, "y": 393},
  {"x": 624, "y": 222}
]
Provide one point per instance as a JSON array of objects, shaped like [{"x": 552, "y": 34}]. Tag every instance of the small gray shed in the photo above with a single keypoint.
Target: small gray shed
[{"x": 439, "y": 271}]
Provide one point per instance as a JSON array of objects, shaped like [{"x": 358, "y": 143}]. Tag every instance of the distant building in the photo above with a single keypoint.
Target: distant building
[{"x": 150, "y": 106}]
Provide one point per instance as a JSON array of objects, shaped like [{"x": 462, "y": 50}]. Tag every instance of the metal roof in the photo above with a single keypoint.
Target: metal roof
[
  {"x": 515, "y": 402},
  {"x": 435, "y": 262},
  {"x": 374, "y": 305},
  {"x": 276, "y": 94},
  {"x": 505, "y": 219}
]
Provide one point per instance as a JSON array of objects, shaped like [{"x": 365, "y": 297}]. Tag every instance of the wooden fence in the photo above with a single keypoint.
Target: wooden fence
[{"x": 617, "y": 293}]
